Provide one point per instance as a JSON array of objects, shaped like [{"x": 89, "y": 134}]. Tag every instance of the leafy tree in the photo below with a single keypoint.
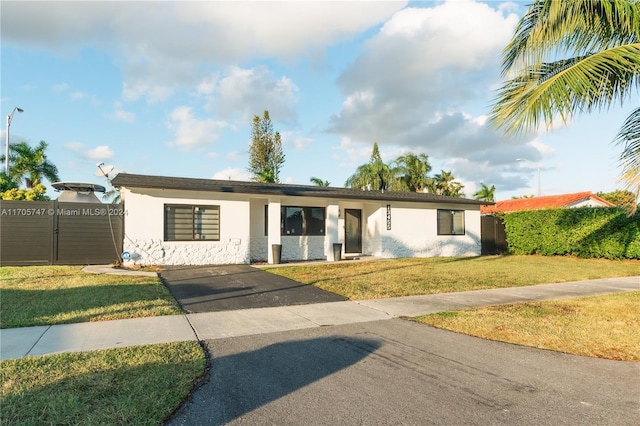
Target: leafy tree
[
  {"x": 35, "y": 193},
  {"x": 413, "y": 170},
  {"x": 523, "y": 196},
  {"x": 572, "y": 56},
  {"x": 618, "y": 197},
  {"x": 6, "y": 183},
  {"x": 30, "y": 165},
  {"x": 626, "y": 200},
  {"x": 485, "y": 193},
  {"x": 265, "y": 153},
  {"x": 374, "y": 175},
  {"x": 319, "y": 182}
]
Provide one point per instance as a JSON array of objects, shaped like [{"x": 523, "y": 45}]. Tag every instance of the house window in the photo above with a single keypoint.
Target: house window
[
  {"x": 302, "y": 220},
  {"x": 191, "y": 223},
  {"x": 450, "y": 222},
  {"x": 266, "y": 220}
]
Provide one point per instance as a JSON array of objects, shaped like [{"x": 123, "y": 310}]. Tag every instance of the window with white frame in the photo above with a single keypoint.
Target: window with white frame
[
  {"x": 450, "y": 222},
  {"x": 191, "y": 223}
]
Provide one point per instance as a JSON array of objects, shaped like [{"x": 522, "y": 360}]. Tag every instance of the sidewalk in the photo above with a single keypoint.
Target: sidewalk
[{"x": 29, "y": 341}]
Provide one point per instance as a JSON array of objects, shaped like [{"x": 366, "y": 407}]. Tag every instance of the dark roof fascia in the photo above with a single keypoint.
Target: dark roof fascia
[{"x": 241, "y": 187}]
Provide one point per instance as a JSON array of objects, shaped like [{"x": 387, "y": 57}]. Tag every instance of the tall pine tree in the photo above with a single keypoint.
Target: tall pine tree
[{"x": 265, "y": 153}]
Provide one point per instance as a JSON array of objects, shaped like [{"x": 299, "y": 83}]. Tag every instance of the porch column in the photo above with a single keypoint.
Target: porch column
[
  {"x": 333, "y": 231},
  {"x": 273, "y": 227}
]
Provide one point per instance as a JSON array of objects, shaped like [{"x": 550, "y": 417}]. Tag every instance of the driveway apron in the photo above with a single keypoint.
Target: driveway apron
[{"x": 214, "y": 288}]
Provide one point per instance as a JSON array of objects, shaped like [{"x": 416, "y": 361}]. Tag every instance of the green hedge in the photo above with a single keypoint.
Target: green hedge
[{"x": 584, "y": 232}]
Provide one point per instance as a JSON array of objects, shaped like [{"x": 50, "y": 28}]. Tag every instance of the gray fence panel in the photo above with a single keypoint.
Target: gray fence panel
[
  {"x": 48, "y": 232},
  {"x": 492, "y": 235},
  {"x": 26, "y": 233},
  {"x": 86, "y": 233}
]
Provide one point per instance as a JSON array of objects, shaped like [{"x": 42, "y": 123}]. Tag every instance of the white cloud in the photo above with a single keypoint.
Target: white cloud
[
  {"x": 249, "y": 92},
  {"x": 541, "y": 147},
  {"x": 417, "y": 82},
  {"x": 231, "y": 173},
  {"x": 449, "y": 55},
  {"x": 208, "y": 85},
  {"x": 102, "y": 152},
  {"x": 152, "y": 93},
  {"x": 122, "y": 115},
  {"x": 191, "y": 132},
  {"x": 166, "y": 48}
]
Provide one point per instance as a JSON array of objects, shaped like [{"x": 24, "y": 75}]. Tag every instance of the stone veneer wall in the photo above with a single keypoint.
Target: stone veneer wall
[{"x": 158, "y": 252}]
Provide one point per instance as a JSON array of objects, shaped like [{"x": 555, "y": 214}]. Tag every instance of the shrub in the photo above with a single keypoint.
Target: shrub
[{"x": 585, "y": 232}]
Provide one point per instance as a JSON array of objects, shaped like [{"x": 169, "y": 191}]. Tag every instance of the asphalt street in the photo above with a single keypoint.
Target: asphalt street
[{"x": 397, "y": 372}]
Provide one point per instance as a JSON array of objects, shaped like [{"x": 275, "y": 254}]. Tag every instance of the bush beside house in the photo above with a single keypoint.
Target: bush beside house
[{"x": 584, "y": 232}]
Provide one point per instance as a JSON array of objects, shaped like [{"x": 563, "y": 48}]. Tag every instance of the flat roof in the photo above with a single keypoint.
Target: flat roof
[{"x": 241, "y": 187}]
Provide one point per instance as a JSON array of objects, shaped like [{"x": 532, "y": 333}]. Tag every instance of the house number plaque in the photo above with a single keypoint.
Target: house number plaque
[{"x": 388, "y": 217}]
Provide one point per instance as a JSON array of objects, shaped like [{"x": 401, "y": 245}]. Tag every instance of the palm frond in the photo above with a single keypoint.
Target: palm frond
[
  {"x": 629, "y": 138},
  {"x": 566, "y": 87},
  {"x": 553, "y": 29}
]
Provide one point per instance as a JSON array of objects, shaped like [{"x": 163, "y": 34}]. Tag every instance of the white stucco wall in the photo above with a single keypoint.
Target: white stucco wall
[
  {"x": 144, "y": 229},
  {"x": 587, "y": 202},
  {"x": 414, "y": 233}
]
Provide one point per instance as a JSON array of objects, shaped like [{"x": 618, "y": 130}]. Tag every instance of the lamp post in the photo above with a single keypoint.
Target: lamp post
[
  {"x": 538, "y": 168},
  {"x": 6, "y": 153}
]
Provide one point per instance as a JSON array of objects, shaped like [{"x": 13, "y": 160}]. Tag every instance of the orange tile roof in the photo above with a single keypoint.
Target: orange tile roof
[{"x": 538, "y": 203}]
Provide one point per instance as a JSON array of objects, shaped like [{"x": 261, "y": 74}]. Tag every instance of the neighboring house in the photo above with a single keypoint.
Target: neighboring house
[
  {"x": 579, "y": 199},
  {"x": 172, "y": 220}
]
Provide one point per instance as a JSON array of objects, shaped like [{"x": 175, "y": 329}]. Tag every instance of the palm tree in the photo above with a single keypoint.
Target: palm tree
[
  {"x": 485, "y": 193},
  {"x": 444, "y": 184},
  {"x": 30, "y": 165},
  {"x": 570, "y": 56},
  {"x": 319, "y": 182},
  {"x": 413, "y": 170},
  {"x": 374, "y": 175}
]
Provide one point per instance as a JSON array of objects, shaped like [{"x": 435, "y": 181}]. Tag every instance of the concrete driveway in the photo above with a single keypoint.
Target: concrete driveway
[
  {"x": 216, "y": 288},
  {"x": 397, "y": 372}
]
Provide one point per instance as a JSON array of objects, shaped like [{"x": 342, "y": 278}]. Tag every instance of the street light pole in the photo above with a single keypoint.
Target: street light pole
[
  {"x": 6, "y": 153},
  {"x": 538, "y": 168}
]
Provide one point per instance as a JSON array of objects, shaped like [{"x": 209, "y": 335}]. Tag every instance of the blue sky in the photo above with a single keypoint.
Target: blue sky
[{"x": 170, "y": 88}]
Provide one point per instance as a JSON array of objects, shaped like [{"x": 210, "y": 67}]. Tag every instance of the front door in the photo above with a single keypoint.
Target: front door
[{"x": 352, "y": 231}]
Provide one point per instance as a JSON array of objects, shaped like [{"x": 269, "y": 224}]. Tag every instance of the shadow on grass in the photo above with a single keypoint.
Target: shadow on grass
[
  {"x": 115, "y": 393},
  {"x": 242, "y": 382},
  {"x": 389, "y": 265},
  {"x": 23, "y": 308}
]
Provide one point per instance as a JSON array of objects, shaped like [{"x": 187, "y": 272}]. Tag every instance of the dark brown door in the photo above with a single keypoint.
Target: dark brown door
[{"x": 352, "y": 231}]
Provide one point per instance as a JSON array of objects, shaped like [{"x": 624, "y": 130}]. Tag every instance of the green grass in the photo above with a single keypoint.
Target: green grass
[
  {"x": 605, "y": 326},
  {"x": 46, "y": 295},
  {"x": 137, "y": 385},
  {"x": 406, "y": 277}
]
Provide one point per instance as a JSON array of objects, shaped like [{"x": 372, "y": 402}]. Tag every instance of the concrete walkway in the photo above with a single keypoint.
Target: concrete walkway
[{"x": 29, "y": 341}]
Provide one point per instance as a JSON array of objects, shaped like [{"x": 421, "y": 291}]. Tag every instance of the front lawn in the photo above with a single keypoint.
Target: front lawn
[
  {"x": 46, "y": 295},
  {"x": 139, "y": 385},
  {"x": 407, "y": 277},
  {"x": 606, "y": 326}
]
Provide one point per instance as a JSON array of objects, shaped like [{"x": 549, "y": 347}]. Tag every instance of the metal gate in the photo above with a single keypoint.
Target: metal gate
[
  {"x": 492, "y": 235},
  {"x": 61, "y": 233}
]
